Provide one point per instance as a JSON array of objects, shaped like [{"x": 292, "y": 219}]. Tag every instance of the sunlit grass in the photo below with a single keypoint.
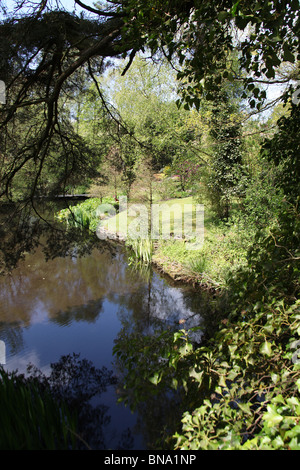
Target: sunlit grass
[
  {"x": 163, "y": 239},
  {"x": 122, "y": 221}
]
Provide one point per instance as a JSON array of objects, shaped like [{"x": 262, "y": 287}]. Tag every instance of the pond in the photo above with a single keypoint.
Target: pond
[{"x": 80, "y": 305}]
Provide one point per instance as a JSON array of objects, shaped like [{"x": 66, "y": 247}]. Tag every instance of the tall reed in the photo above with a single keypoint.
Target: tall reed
[
  {"x": 30, "y": 418},
  {"x": 142, "y": 249}
]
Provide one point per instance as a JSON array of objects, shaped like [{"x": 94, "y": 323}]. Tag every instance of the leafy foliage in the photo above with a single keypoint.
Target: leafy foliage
[
  {"x": 201, "y": 36},
  {"x": 230, "y": 387},
  {"x": 225, "y": 168},
  {"x": 283, "y": 151},
  {"x": 86, "y": 215}
]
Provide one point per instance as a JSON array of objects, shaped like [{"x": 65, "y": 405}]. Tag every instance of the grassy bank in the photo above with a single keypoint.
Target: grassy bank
[{"x": 223, "y": 249}]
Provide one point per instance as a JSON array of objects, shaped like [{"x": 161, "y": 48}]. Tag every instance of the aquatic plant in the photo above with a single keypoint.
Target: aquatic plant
[
  {"x": 31, "y": 418},
  {"x": 86, "y": 215},
  {"x": 54, "y": 412},
  {"x": 142, "y": 249}
]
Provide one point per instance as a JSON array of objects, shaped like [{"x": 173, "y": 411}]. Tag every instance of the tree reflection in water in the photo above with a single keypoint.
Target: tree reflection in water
[
  {"x": 76, "y": 382},
  {"x": 77, "y": 294}
]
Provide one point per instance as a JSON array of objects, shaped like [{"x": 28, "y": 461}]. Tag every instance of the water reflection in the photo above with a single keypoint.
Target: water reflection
[{"x": 79, "y": 305}]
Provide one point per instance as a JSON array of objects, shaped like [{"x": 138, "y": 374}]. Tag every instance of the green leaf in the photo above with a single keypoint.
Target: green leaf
[
  {"x": 174, "y": 383},
  {"x": 245, "y": 407},
  {"x": 232, "y": 349},
  {"x": 293, "y": 401},
  {"x": 234, "y": 9},
  {"x": 272, "y": 417},
  {"x": 294, "y": 432},
  {"x": 294, "y": 444},
  {"x": 278, "y": 442},
  {"x": 179, "y": 335},
  {"x": 274, "y": 378},
  {"x": 223, "y": 15},
  {"x": 222, "y": 382},
  {"x": 266, "y": 348},
  {"x": 156, "y": 378},
  {"x": 196, "y": 375},
  {"x": 278, "y": 399},
  {"x": 185, "y": 349},
  {"x": 288, "y": 56}
]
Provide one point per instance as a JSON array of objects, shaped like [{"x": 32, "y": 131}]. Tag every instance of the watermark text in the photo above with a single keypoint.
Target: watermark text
[
  {"x": 159, "y": 221},
  {"x": 2, "y": 353},
  {"x": 2, "y": 92}
]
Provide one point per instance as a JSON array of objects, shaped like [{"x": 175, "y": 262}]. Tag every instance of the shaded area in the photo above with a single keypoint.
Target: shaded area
[{"x": 76, "y": 382}]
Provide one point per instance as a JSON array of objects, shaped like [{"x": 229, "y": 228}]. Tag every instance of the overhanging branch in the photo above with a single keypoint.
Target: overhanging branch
[{"x": 98, "y": 11}]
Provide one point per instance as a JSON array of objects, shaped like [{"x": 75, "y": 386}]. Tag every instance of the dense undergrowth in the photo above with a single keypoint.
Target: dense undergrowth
[{"x": 240, "y": 388}]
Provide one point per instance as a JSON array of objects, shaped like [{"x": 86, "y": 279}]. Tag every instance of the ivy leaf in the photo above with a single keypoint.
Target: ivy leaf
[
  {"x": 156, "y": 378},
  {"x": 245, "y": 407},
  {"x": 272, "y": 417},
  {"x": 294, "y": 432},
  {"x": 278, "y": 399},
  {"x": 288, "y": 56},
  {"x": 222, "y": 381},
  {"x": 293, "y": 401},
  {"x": 278, "y": 442},
  {"x": 266, "y": 348},
  {"x": 186, "y": 349},
  {"x": 196, "y": 375}
]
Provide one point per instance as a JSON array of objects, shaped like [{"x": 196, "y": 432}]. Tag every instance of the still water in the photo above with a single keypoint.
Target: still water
[{"x": 80, "y": 305}]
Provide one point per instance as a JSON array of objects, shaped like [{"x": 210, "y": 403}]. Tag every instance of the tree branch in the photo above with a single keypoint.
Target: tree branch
[
  {"x": 131, "y": 57},
  {"x": 99, "y": 12}
]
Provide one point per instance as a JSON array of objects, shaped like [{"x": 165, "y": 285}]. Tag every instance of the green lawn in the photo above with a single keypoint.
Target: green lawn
[
  {"x": 137, "y": 215},
  {"x": 224, "y": 247}
]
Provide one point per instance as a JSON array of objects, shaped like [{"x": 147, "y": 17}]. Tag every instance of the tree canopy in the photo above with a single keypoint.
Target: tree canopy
[{"x": 44, "y": 47}]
